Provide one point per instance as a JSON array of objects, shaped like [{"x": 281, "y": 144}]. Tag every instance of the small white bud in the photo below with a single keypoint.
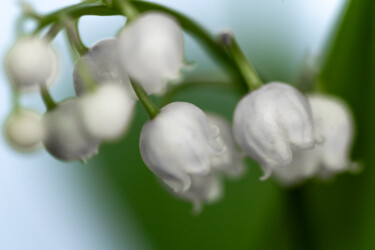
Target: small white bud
[
  {"x": 24, "y": 131},
  {"x": 66, "y": 136},
  {"x": 152, "y": 50},
  {"x": 30, "y": 63},
  {"x": 103, "y": 65},
  {"x": 179, "y": 143},
  {"x": 107, "y": 111},
  {"x": 231, "y": 161},
  {"x": 270, "y": 121}
]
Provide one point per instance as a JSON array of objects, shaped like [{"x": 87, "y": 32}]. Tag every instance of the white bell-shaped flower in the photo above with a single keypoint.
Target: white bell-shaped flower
[
  {"x": 24, "y": 130},
  {"x": 334, "y": 124},
  {"x": 30, "y": 63},
  {"x": 179, "y": 143},
  {"x": 152, "y": 50},
  {"x": 107, "y": 111},
  {"x": 231, "y": 161},
  {"x": 270, "y": 121},
  {"x": 103, "y": 64},
  {"x": 203, "y": 189},
  {"x": 66, "y": 136}
]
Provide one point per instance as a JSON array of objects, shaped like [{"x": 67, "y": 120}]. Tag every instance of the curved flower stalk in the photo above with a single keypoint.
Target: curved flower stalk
[
  {"x": 30, "y": 63},
  {"x": 270, "y": 121},
  {"x": 24, "y": 131},
  {"x": 334, "y": 123},
  {"x": 107, "y": 111},
  {"x": 102, "y": 64},
  {"x": 66, "y": 136},
  {"x": 179, "y": 143},
  {"x": 231, "y": 161},
  {"x": 152, "y": 50}
]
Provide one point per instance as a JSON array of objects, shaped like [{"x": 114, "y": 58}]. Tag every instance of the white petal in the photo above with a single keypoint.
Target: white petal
[
  {"x": 107, "y": 112},
  {"x": 231, "y": 161},
  {"x": 24, "y": 130},
  {"x": 334, "y": 122},
  {"x": 30, "y": 63},
  {"x": 103, "y": 65},
  {"x": 151, "y": 49},
  {"x": 269, "y": 121},
  {"x": 203, "y": 189},
  {"x": 66, "y": 136},
  {"x": 178, "y": 142}
]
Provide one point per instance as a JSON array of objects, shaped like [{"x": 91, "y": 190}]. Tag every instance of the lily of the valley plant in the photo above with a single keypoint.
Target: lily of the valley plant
[{"x": 293, "y": 136}]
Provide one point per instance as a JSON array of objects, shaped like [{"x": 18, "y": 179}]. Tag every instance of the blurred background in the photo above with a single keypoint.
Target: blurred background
[{"x": 115, "y": 202}]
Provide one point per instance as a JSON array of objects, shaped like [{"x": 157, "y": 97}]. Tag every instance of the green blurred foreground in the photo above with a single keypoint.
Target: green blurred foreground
[{"x": 337, "y": 214}]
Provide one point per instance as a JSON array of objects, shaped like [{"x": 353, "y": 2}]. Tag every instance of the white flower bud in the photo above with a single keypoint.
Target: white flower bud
[
  {"x": 152, "y": 50},
  {"x": 179, "y": 143},
  {"x": 103, "y": 65},
  {"x": 334, "y": 123},
  {"x": 30, "y": 63},
  {"x": 24, "y": 131},
  {"x": 66, "y": 136},
  {"x": 270, "y": 121},
  {"x": 231, "y": 161},
  {"x": 107, "y": 111}
]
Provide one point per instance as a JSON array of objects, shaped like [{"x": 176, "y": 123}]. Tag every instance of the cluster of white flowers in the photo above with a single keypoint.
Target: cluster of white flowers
[{"x": 293, "y": 136}]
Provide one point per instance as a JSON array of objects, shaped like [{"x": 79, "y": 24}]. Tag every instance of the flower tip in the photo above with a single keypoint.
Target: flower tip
[
  {"x": 267, "y": 174},
  {"x": 197, "y": 207},
  {"x": 355, "y": 167}
]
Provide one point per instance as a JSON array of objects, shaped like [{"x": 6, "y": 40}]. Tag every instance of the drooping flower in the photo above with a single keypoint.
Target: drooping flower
[
  {"x": 152, "y": 50},
  {"x": 67, "y": 137},
  {"x": 334, "y": 123},
  {"x": 270, "y": 121},
  {"x": 179, "y": 143},
  {"x": 231, "y": 161},
  {"x": 30, "y": 63},
  {"x": 107, "y": 111},
  {"x": 24, "y": 130},
  {"x": 102, "y": 64}
]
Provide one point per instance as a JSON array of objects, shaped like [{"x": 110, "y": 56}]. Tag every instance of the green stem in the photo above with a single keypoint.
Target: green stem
[
  {"x": 216, "y": 50},
  {"x": 247, "y": 70},
  {"x": 52, "y": 32},
  {"x": 146, "y": 101},
  {"x": 86, "y": 76},
  {"x": 46, "y": 97},
  {"x": 74, "y": 37},
  {"x": 127, "y": 9},
  {"x": 15, "y": 100}
]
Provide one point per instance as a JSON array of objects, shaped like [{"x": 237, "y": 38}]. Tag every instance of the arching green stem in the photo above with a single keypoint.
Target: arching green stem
[
  {"x": 146, "y": 101},
  {"x": 71, "y": 28},
  {"x": 46, "y": 97},
  {"x": 215, "y": 49},
  {"x": 247, "y": 70},
  {"x": 52, "y": 32}
]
